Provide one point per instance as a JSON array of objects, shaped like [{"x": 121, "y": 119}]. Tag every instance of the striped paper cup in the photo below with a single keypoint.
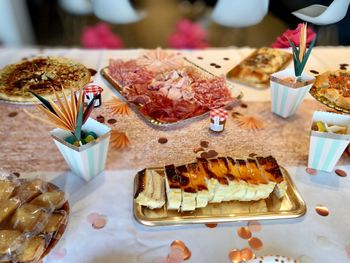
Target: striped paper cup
[
  {"x": 287, "y": 96},
  {"x": 88, "y": 160},
  {"x": 326, "y": 148}
]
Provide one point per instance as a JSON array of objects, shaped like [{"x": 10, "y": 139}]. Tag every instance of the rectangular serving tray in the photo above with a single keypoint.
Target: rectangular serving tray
[
  {"x": 290, "y": 206},
  {"x": 117, "y": 88},
  {"x": 262, "y": 85}
]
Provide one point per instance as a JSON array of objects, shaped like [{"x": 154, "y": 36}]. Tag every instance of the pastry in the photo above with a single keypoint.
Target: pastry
[
  {"x": 173, "y": 188},
  {"x": 31, "y": 249},
  {"x": 54, "y": 221},
  {"x": 30, "y": 219},
  {"x": 335, "y": 87},
  {"x": 7, "y": 207},
  {"x": 8, "y": 240},
  {"x": 189, "y": 193},
  {"x": 27, "y": 217},
  {"x": 150, "y": 189},
  {"x": 257, "y": 67},
  {"x": 6, "y": 189},
  {"x": 41, "y": 75},
  {"x": 271, "y": 170},
  {"x": 54, "y": 200},
  {"x": 199, "y": 183}
]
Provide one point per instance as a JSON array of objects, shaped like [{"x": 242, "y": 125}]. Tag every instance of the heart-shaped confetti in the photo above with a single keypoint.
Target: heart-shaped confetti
[{"x": 97, "y": 221}]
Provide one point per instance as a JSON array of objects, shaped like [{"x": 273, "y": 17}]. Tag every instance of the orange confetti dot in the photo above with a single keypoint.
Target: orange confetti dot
[
  {"x": 244, "y": 232},
  {"x": 211, "y": 225},
  {"x": 99, "y": 223},
  {"x": 235, "y": 256},
  {"x": 181, "y": 245},
  {"x": 311, "y": 171},
  {"x": 254, "y": 226},
  {"x": 255, "y": 243},
  {"x": 247, "y": 254},
  {"x": 322, "y": 210}
]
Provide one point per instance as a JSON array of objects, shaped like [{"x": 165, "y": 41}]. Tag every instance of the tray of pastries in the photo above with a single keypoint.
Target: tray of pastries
[
  {"x": 255, "y": 70},
  {"x": 217, "y": 190},
  {"x": 332, "y": 88},
  {"x": 33, "y": 217}
]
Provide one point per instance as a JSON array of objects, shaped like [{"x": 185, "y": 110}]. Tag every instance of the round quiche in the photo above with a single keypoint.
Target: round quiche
[
  {"x": 335, "y": 87},
  {"x": 41, "y": 75}
]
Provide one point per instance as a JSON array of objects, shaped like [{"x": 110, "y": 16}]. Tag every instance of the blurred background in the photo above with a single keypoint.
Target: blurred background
[{"x": 149, "y": 24}]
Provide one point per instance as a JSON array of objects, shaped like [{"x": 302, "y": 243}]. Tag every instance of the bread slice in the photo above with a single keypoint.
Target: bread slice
[
  {"x": 273, "y": 173},
  {"x": 198, "y": 182},
  {"x": 173, "y": 188},
  {"x": 265, "y": 187},
  {"x": 222, "y": 190},
  {"x": 189, "y": 193},
  {"x": 210, "y": 178},
  {"x": 252, "y": 183},
  {"x": 239, "y": 186},
  {"x": 150, "y": 189}
]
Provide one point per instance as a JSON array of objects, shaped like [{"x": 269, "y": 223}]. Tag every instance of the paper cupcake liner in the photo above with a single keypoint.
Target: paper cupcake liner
[
  {"x": 286, "y": 97},
  {"x": 326, "y": 148},
  {"x": 88, "y": 160}
]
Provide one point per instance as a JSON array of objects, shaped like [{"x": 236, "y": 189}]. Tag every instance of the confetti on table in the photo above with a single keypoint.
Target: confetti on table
[
  {"x": 254, "y": 226},
  {"x": 182, "y": 246},
  {"x": 341, "y": 173},
  {"x": 244, "y": 232},
  {"x": 322, "y": 210},
  {"x": 311, "y": 171},
  {"x": 255, "y": 243}
]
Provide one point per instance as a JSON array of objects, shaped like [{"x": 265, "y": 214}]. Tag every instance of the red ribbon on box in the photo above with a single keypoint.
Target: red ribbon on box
[
  {"x": 221, "y": 113},
  {"x": 92, "y": 88}
]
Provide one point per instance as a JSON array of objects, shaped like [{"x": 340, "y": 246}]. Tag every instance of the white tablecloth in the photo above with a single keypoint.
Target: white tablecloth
[{"x": 311, "y": 238}]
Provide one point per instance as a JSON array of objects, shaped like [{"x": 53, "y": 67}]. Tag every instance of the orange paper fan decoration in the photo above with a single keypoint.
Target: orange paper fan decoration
[
  {"x": 119, "y": 140},
  {"x": 118, "y": 107},
  {"x": 249, "y": 122}
]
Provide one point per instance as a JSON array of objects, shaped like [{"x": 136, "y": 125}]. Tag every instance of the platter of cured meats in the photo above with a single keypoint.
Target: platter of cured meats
[{"x": 166, "y": 89}]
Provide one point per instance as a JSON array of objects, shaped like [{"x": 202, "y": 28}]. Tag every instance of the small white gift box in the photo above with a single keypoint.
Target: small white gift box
[
  {"x": 326, "y": 148},
  {"x": 286, "y": 96},
  {"x": 88, "y": 160}
]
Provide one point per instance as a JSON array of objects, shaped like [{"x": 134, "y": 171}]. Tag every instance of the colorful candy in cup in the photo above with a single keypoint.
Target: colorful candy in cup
[{"x": 86, "y": 137}]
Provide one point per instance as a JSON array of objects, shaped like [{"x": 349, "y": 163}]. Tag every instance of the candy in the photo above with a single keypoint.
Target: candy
[
  {"x": 89, "y": 138},
  {"x": 70, "y": 139},
  {"x": 320, "y": 126},
  {"x": 92, "y": 134}
]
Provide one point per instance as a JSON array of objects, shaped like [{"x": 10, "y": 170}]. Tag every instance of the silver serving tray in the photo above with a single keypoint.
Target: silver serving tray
[{"x": 118, "y": 90}]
